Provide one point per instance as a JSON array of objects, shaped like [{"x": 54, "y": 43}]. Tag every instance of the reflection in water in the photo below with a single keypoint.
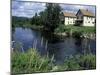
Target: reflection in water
[{"x": 47, "y": 43}]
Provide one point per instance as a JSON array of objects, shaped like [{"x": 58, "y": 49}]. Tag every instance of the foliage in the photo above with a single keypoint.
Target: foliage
[
  {"x": 52, "y": 17},
  {"x": 20, "y": 21},
  {"x": 29, "y": 62},
  {"x": 88, "y": 61},
  {"x": 49, "y": 18},
  {"x": 72, "y": 64},
  {"x": 78, "y": 62},
  {"x": 76, "y": 31},
  {"x": 82, "y": 29},
  {"x": 36, "y": 20},
  {"x": 61, "y": 29},
  {"x": 32, "y": 62},
  {"x": 81, "y": 62}
]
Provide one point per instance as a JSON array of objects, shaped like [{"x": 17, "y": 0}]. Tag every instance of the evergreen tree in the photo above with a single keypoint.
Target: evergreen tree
[{"x": 52, "y": 17}]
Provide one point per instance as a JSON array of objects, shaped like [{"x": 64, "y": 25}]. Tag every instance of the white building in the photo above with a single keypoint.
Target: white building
[
  {"x": 69, "y": 18},
  {"x": 82, "y": 18},
  {"x": 85, "y": 18}
]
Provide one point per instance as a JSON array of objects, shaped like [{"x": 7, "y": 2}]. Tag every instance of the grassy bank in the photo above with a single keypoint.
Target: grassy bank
[
  {"x": 83, "y": 29},
  {"x": 76, "y": 30},
  {"x": 32, "y": 62},
  {"x": 37, "y": 27}
]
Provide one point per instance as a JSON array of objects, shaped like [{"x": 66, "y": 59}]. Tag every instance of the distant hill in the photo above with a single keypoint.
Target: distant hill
[{"x": 20, "y": 21}]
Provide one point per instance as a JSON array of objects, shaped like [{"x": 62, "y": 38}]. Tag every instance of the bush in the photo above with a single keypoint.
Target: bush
[
  {"x": 82, "y": 62},
  {"x": 72, "y": 65},
  {"x": 88, "y": 61},
  {"x": 60, "y": 29}
]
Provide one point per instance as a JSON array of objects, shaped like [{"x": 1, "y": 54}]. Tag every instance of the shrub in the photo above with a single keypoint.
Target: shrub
[
  {"x": 88, "y": 61},
  {"x": 81, "y": 62},
  {"x": 60, "y": 29}
]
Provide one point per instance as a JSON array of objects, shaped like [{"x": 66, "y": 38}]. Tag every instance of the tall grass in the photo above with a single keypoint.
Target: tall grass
[
  {"x": 32, "y": 62},
  {"x": 88, "y": 61},
  {"x": 81, "y": 62}
]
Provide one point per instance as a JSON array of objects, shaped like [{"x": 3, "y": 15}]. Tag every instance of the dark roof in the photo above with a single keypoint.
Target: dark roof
[
  {"x": 66, "y": 14},
  {"x": 86, "y": 12}
]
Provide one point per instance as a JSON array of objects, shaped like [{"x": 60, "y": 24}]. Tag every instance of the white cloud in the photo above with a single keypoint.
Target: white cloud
[
  {"x": 28, "y": 9},
  {"x": 79, "y": 7},
  {"x": 75, "y": 8}
]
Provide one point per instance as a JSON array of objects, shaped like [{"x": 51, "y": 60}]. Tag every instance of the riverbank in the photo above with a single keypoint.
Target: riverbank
[
  {"x": 36, "y": 27},
  {"x": 70, "y": 30},
  {"x": 77, "y": 31},
  {"x": 32, "y": 62}
]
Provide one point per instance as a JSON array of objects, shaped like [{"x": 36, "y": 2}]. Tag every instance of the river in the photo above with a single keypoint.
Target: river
[{"x": 51, "y": 44}]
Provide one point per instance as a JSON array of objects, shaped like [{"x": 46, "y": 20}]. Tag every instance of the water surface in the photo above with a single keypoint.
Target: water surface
[{"x": 51, "y": 44}]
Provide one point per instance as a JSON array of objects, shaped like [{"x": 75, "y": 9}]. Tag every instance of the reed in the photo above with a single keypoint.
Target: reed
[{"x": 32, "y": 62}]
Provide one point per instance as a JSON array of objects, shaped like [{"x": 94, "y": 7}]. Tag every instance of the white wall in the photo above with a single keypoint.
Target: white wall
[
  {"x": 88, "y": 21},
  {"x": 69, "y": 20}
]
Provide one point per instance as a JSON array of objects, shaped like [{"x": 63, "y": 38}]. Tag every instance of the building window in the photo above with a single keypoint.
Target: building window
[
  {"x": 88, "y": 17},
  {"x": 93, "y": 22},
  {"x": 89, "y": 22}
]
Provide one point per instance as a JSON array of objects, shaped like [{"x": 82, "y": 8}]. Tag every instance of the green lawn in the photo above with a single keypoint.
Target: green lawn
[{"x": 82, "y": 29}]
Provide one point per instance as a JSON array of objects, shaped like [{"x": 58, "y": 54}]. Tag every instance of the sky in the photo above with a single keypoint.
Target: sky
[{"x": 28, "y": 9}]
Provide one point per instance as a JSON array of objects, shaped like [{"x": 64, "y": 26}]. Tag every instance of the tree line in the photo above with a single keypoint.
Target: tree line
[
  {"x": 49, "y": 18},
  {"x": 20, "y": 21}
]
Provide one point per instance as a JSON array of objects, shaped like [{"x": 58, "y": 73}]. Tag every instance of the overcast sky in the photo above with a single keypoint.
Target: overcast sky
[{"x": 28, "y": 9}]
